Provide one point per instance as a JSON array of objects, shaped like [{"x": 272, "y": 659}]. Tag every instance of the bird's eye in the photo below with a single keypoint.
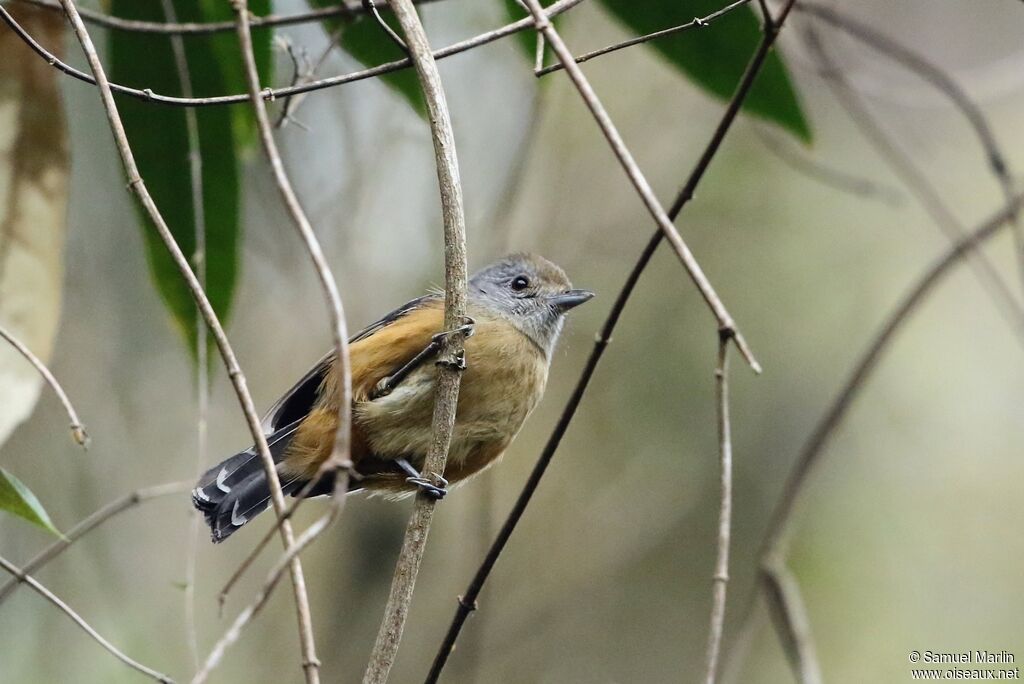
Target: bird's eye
[{"x": 520, "y": 283}]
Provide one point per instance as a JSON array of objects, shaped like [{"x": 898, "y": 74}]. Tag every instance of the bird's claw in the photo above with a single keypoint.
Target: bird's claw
[
  {"x": 429, "y": 488},
  {"x": 382, "y": 389},
  {"x": 467, "y": 329},
  {"x": 458, "y": 362}
]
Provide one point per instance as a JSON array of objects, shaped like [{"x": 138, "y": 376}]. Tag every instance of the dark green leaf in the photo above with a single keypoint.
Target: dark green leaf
[
  {"x": 229, "y": 56},
  {"x": 16, "y": 498},
  {"x": 160, "y": 141},
  {"x": 526, "y": 39},
  {"x": 364, "y": 39},
  {"x": 715, "y": 57}
]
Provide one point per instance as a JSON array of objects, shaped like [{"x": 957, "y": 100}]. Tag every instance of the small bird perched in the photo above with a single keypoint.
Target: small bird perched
[{"x": 515, "y": 311}]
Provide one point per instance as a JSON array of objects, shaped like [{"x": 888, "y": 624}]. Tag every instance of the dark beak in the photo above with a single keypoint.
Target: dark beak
[{"x": 570, "y": 299}]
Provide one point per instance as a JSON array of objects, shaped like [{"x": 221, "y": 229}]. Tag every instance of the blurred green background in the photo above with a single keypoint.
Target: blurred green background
[{"x": 908, "y": 537}]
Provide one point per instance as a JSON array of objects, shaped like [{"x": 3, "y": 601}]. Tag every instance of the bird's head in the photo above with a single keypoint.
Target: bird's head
[{"x": 533, "y": 293}]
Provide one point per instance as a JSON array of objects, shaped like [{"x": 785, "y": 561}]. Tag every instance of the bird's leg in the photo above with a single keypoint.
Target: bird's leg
[
  {"x": 425, "y": 485},
  {"x": 388, "y": 384}
]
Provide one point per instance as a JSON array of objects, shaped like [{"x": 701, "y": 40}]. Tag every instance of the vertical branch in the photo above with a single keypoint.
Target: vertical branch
[
  {"x": 720, "y": 579},
  {"x": 195, "y": 169},
  {"x": 385, "y": 648},
  {"x": 238, "y": 381}
]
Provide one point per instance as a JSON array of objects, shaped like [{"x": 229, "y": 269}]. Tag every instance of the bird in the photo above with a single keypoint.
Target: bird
[{"x": 515, "y": 312}]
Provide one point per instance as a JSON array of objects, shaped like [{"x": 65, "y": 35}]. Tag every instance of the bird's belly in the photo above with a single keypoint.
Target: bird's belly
[{"x": 499, "y": 389}]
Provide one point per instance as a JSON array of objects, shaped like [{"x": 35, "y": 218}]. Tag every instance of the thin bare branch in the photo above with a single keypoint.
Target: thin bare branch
[
  {"x": 449, "y": 374},
  {"x": 370, "y": 6},
  {"x": 643, "y": 188},
  {"x": 916, "y": 181},
  {"x": 792, "y": 624},
  {"x": 89, "y": 524},
  {"x": 720, "y": 580},
  {"x": 349, "y": 9},
  {"x": 138, "y": 186},
  {"x": 78, "y": 432},
  {"x": 271, "y": 94},
  {"x": 467, "y": 603},
  {"x": 695, "y": 23},
  {"x": 77, "y": 619}
]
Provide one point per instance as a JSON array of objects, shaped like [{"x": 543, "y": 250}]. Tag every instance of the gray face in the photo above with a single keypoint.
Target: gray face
[{"x": 531, "y": 292}]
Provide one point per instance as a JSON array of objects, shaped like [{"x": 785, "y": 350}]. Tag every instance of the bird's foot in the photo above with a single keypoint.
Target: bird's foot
[{"x": 429, "y": 488}]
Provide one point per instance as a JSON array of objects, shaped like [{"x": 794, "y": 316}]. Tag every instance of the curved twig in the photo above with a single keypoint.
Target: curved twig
[
  {"x": 270, "y": 94},
  {"x": 138, "y": 186},
  {"x": 78, "y": 620},
  {"x": 449, "y": 375},
  {"x": 787, "y": 609},
  {"x": 78, "y": 432}
]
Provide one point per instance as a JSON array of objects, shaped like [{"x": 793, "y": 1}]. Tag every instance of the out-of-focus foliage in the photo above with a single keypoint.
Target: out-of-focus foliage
[
  {"x": 33, "y": 207},
  {"x": 715, "y": 58},
  {"x": 17, "y": 499},
  {"x": 365, "y": 40},
  {"x": 159, "y": 139}
]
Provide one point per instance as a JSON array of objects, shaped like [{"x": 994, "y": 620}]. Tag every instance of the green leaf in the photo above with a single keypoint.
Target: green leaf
[
  {"x": 229, "y": 56},
  {"x": 364, "y": 39},
  {"x": 716, "y": 56},
  {"x": 159, "y": 139},
  {"x": 527, "y": 39},
  {"x": 16, "y": 498}
]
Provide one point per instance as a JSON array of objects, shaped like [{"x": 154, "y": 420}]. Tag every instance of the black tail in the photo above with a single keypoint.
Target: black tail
[{"x": 234, "y": 492}]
